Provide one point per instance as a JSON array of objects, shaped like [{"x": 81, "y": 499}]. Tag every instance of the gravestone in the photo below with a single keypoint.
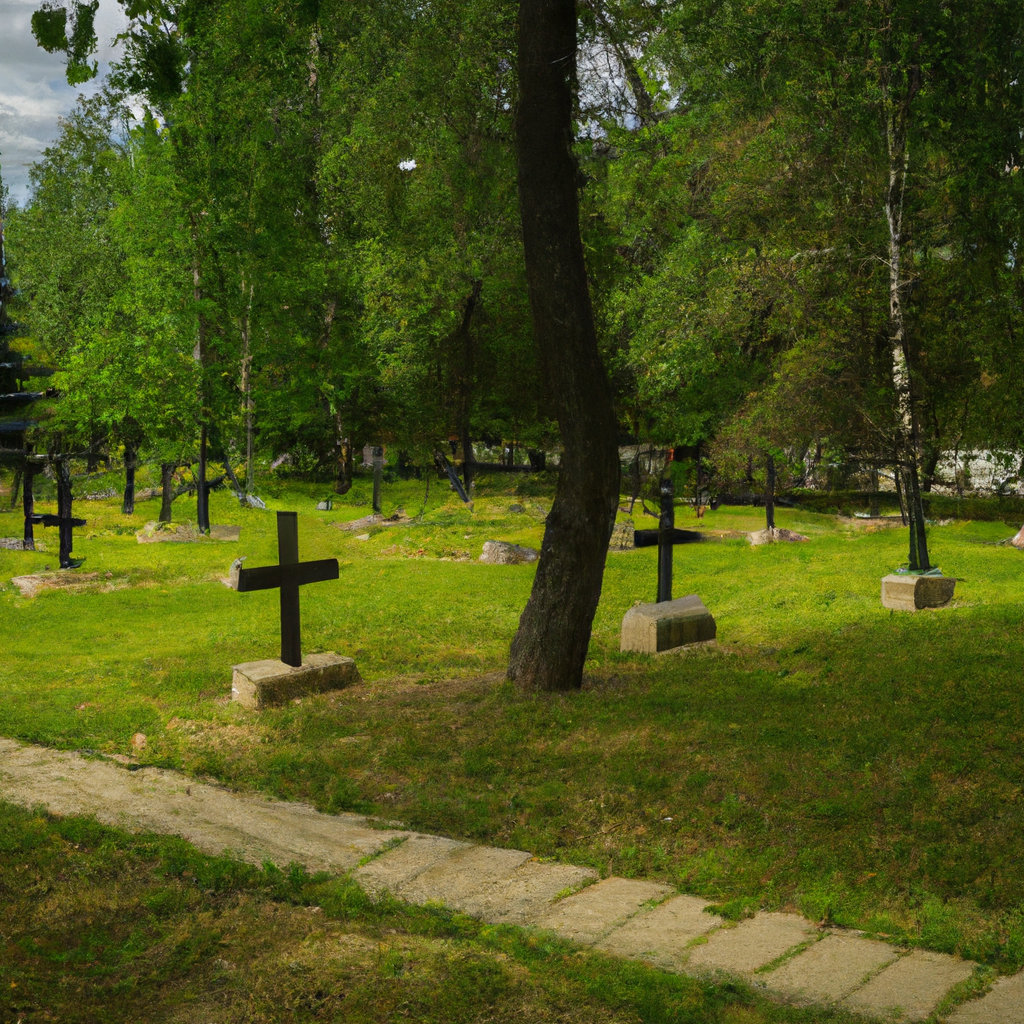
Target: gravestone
[
  {"x": 906, "y": 592},
  {"x": 272, "y": 681},
  {"x": 666, "y": 624}
]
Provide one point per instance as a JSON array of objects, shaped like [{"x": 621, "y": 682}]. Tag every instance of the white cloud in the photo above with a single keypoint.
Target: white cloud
[{"x": 33, "y": 90}]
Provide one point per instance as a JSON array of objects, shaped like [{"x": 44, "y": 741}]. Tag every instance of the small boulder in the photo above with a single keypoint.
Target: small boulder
[
  {"x": 1018, "y": 541},
  {"x": 253, "y": 502},
  {"x": 501, "y": 552},
  {"x": 139, "y": 741},
  {"x": 518, "y": 509},
  {"x": 325, "y": 506}
]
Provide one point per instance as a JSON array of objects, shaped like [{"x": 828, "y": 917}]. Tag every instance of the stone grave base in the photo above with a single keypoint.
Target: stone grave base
[
  {"x": 183, "y": 533},
  {"x": 909, "y": 593},
  {"x": 651, "y": 628},
  {"x": 13, "y": 544},
  {"x": 256, "y": 684}
]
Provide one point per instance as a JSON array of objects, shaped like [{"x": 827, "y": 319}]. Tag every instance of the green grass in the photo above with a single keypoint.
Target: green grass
[
  {"x": 859, "y": 765},
  {"x": 99, "y": 926}
]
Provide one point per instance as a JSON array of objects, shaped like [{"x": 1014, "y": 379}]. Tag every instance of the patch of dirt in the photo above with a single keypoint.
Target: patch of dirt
[{"x": 70, "y": 581}]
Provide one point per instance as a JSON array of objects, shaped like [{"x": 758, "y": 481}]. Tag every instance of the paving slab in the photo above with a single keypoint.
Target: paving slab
[
  {"x": 910, "y": 988},
  {"x": 830, "y": 969},
  {"x": 461, "y": 875},
  {"x": 1004, "y": 1004},
  {"x": 592, "y": 913},
  {"x": 751, "y": 944},
  {"x": 394, "y": 868},
  {"x": 661, "y": 936},
  {"x": 211, "y": 818},
  {"x": 527, "y": 893}
]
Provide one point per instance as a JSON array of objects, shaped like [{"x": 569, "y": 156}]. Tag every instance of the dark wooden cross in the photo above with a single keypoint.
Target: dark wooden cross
[
  {"x": 288, "y": 575},
  {"x": 665, "y": 537},
  {"x": 62, "y": 520}
]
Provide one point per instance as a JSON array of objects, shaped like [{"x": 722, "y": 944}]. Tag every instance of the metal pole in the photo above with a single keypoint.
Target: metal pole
[{"x": 666, "y": 525}]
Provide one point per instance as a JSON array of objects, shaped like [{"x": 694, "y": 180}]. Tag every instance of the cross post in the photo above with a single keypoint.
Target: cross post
[
  {"x": 288, "y": 575},
  {"x": 62, "y": 520},
  {"x": 666, "y": 537}
]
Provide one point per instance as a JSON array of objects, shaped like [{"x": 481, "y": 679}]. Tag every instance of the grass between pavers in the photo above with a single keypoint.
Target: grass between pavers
[
  {"x": 100, "y": 926},
  {"x": 859, "y": 765}
]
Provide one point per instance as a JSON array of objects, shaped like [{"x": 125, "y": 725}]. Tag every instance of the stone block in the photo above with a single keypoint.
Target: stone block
[
  {"x": 650, "y": 628},
  {"x": 661, "y": 936},
  {"x": 750, "y": 945},
  {"x": 463, "y": 874},
  {"x": 1004, "y": 1004},
  {"x": 911, "y": 988},
  {"x": 501, "y": 552},
  {"x": 909, "y": 593},
  {"x": 255, "y": 684},
  {"x": 398, "y": 866},
  {"x": 830, "y": 969},
  {"x": 527, "y": 893},
  {"x": 591, "y": 914}
]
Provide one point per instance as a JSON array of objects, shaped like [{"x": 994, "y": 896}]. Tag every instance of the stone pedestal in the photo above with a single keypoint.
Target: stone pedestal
[
  {"x": 650, "y": 628},
  {"x": 909, "y": 593},
  {"x": 256, "y": 684}
]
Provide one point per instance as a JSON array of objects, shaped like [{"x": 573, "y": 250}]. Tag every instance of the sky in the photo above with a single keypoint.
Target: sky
[{"x": 33, "y": 90}]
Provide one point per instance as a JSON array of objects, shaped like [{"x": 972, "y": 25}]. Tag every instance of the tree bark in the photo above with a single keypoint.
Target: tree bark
[
  {"x": 466, "y": 381},
  {"x": 166, "y": 494},
  {"x": 550, "y": 648}
]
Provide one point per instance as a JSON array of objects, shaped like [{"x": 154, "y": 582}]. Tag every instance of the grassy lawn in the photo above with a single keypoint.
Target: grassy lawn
[
  {"x": 862, "y": 766},
  {"x": 98, "y": 926}
]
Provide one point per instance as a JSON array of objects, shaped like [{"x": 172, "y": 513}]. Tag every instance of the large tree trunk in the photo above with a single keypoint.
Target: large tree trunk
[
  {"x": 246, "y": 384},
  {"x": 343, "y": 446},
  {"x": 466, "y": 382},
  {"x": 550, "y": 648},
  {"x": 28, "y": 506},
  {"x": 769, "y": 495}
]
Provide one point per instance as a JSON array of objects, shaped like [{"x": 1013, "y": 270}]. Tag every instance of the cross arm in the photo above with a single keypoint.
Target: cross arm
[
  {"x": 268, "y": 577},
  {"x": 649, "y": 538},
  {"x": 49, "y": 520}
]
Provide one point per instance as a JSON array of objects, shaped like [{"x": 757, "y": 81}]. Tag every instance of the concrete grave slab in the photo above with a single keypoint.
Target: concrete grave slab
[
  {"x": 225, "y": 532},
  {"x": 390, "y": 871},
  {"x": 831, "y": 968},
  {"x": 592, "y": 913},
  {"x": 650, "y": 628},
  {"x": 750, "y": 945},
  {"x": 911, "y": 987},
  {"x": 462, "y": 874},
  {"x": 255, "y": 684},
  {"x": 527, "y": 893},
  {"x": 660, "y": 936},
  {"x": 911, "y": 593},
  {"x": 1004, "y": 1004}
]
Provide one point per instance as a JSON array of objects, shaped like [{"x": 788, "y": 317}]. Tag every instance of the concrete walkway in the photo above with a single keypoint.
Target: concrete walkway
[{"x": 783, "y": 955}]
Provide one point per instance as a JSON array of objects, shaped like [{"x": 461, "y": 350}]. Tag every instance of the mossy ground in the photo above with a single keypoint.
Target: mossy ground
[{"x": 862, "y": 766}]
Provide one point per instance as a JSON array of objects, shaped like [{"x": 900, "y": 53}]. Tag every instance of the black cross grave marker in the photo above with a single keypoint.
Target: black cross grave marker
[
  {"x": 62, "y": 520},
  {"x": 665, "y": 537},
  {"x": 288, "y": 575}
]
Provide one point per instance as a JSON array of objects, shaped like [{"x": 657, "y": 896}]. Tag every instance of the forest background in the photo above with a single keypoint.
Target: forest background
[{"x": 796, "y": 216}]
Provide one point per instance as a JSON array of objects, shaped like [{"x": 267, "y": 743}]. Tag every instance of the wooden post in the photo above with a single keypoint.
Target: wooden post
[
  {"x": 378, "y": 476},
  {"x": 64, "y": 512},
  {"x": 202, "y": 493},
  {"x": 28, "y": 505},
  {"x": 666, "y": 526}
]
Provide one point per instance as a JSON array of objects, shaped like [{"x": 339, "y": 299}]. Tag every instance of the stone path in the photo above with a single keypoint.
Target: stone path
[{"x": 782, "y": 955}]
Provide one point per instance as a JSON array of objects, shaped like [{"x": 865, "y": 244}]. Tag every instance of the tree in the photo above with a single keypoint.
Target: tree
[{"x": 550, "y": 647}]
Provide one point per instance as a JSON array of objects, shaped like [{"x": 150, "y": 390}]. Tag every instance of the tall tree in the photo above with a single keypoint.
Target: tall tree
[{"x": 550, "y": 648}]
